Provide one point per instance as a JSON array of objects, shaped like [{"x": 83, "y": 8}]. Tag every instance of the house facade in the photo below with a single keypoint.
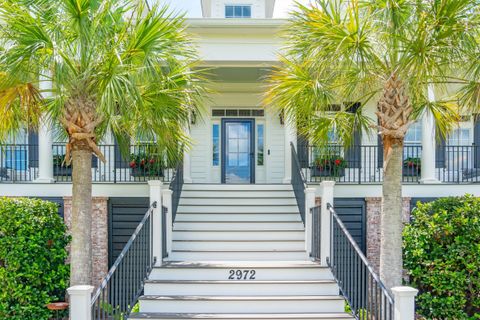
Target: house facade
[{"x": 237, "y": 140}]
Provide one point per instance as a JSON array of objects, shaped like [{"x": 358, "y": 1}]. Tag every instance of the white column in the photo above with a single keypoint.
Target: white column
[
  {"x": 80, "y": 299},
  {"x": 428, "y": 143},
  {"x": 167, "y": 203},
  {"x": 404, "y": 306},
  {"x": 187, "y": 164},
  {"x": 309, "y": 203},
  {"x": 326, "y": 193},
  {"x": 45, "y": 139},
  {"x": 156, "y": 196},
  {"x": 290, "y": 137}
]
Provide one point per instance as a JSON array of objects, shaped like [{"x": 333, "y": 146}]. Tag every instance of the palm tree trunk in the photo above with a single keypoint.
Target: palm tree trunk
[
  {"x": 391, "y": 219},
  {"x": 81, "y": 249}
]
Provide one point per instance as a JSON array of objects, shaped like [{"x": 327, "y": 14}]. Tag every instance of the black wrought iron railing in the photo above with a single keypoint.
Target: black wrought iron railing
[
  {"x": 458, "y": 164},
  {"x": 176, "y": 186},
  {"x": 298, "y": 182},
  {"x": 18, "y": 162},
  {"x": 366, "y": 295},
  {"x": 316, "y": 229},
  {"x": 164, "y": 232},
  {"x": 119, "y": 291}
]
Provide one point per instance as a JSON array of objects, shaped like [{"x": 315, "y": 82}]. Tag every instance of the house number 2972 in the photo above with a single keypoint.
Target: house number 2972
[{"x": 242, "y": 275}]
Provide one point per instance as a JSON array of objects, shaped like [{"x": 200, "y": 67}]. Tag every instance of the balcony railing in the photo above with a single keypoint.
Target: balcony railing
[{"x": 19, "y": 163}]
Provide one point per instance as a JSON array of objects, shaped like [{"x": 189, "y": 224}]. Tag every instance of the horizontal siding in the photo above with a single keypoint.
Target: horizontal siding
[
  {"x": 275, "y": 142},
  {"x": 199, "y": 154}
]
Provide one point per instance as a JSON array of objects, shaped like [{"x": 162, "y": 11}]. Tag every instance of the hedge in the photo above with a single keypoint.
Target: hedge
[
  {"x": 442, "y": 256},
  {"x": 32, "y": 258}
]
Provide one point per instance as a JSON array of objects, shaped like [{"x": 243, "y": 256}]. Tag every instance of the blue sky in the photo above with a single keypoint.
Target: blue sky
[{"x": 193, "y": 7}]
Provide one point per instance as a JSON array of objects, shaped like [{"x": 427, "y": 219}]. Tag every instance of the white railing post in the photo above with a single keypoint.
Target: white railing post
[
  {"x": 309, "y": 204},
  {"x": 404, "y": 303},
  {"x": 326, "y": 193},
  {"x": 80, "y": 302},
  {"x": 290, "y": 138},
  {"x": 167, "y": 203},
  {"x": 156, "y": 196}
]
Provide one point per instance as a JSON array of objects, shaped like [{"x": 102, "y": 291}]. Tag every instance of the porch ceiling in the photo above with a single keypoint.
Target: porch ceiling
[{"x": 238, "y": 74}]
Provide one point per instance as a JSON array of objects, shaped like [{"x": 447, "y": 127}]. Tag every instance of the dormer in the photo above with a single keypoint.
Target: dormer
[{"x": 238, "y": 9}]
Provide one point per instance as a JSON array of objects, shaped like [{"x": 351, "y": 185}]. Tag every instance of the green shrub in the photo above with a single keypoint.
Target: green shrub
[
  {"x": 442, "y": 256},
  {"x": 32, "y": 258}
]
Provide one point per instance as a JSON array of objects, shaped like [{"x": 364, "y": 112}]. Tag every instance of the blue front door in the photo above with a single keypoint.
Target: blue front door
[{"x": 238, "y": 151}]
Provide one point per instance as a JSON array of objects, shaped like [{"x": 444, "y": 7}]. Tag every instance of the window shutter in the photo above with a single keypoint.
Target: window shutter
[
  {"x": 380, "y": 151},
  {"x": 353, "y": 155},
  {"x": 302, "y": 150},
  {"x": 121, "y": 161},
  {"x": 440, "y": 152},
  {"x": 476, "y": 141},
  {"x": 32, "y": 149}
]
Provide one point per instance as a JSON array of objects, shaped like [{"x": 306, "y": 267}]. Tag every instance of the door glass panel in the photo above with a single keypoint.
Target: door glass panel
[{"x": 238, "y": 152}]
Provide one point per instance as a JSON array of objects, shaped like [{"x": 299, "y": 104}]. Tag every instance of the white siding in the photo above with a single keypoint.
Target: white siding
[
  {"x": 200, "y": 155},
  {"x": 275, "y": 142}
]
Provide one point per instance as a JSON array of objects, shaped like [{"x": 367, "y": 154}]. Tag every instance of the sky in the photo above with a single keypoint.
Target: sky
[{"x": 193, "y": 7}]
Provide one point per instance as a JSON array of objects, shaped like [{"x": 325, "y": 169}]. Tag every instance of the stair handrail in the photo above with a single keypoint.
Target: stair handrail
[
  {"x": 176, "y": 186},
  {"x": 361, "y": 286},
  {"x": 298, "y": 181},
  {"x": 122, "y": 286}
]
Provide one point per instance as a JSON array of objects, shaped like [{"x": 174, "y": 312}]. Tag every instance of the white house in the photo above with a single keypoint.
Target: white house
[{"x": 240, "y": 200}]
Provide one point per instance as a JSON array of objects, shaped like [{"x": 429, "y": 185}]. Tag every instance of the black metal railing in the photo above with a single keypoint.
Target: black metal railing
[
  {"x": 298, "y": 182},
  {"x": 366, "y": 295},
  {"x": 119, "y": 291},
  {"x": 412, "y": 156},
  {"x": 316, "y": 231},
  {"x": 176, "y": 186},
  {"x": 458, "y": 164},
  {"x": 164, "y": 232},
  {"x": 18, "y": 162}
]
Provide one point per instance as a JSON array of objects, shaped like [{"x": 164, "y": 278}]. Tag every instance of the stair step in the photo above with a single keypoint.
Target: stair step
[
  {"x": 241, "y": 287},
  {"x": 238, "y": 304},
  {"x": 238, "y": 225},
  {"x": 234, "y": 245},
  {"x": 237, "y": 187},
  {"x": 242, "y": 316},
  {"x": 272, "y": 209},
  {"x": 237, "y": 255},
  {"x": 220, "y": 270},
  {"x": 237, "y": 201},
  {"x": 247, "y": 217},
  {"x": 188, "y": 234}
]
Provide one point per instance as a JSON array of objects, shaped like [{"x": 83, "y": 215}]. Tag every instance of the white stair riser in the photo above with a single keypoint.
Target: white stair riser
[
  {"x": 223, "y": 274},
  {"x": 238, "y": 288},
  {"x": 225, "y": 226},
  {"x": 238, "y": 209},
  {"x": 237, "y": 187},
  {"x": 236, "y": 194},
  {"x": 237, "y": 256},
  {"x": 238, "y": 245},
  {"x": 259, "y": 306},
  {"x": 234, "y": 201},
  {"x": 242, "y": 235},
  {"x": 248, "y": 217}
]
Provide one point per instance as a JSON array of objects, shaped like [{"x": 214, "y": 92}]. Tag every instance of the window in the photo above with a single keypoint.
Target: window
[
  {"x": 458, "y": 150},
  {"x": 260, "y": 144},
  {"x": 413, "y": 141},
  {"x": 235, "y": 11},
  {"x": 216, "y": 145}
]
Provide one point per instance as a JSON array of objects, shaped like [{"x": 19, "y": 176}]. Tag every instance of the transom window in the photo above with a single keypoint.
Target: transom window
[{"x": 238, "y": 11}]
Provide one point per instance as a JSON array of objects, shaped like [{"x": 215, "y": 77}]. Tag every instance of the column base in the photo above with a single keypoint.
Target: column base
[
  {"x": 44, "y": 180},
  {"x": 187, "y": 180},
  {"x": 430, "y": 181},
  {"x": 287, "y": 181}
]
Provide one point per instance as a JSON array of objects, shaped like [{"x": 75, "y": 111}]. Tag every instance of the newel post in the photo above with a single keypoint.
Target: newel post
[
  {"x": 404, "y": 303},
  {"x": 80, "y": 302},
  {"x": 156, "y": 197},
  {"x": 326, "y": 193},
  {"x": 309, "y": 204},
  {"x": 167, "y": 203}
]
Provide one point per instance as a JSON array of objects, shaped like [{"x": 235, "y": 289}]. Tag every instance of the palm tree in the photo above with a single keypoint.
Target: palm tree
[
  {"x": 96, "y": 67},
  {"x": 383, "y": 51}
]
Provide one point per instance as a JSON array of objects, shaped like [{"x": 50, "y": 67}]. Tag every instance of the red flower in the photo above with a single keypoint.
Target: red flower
[
  {"x": 338, "y": 162},
  {"x": 152, "y": 161},
  {"x": 133, "y": 165},
  {"x": 142, "y": 163},
  {"x": 410, "y": 163}
]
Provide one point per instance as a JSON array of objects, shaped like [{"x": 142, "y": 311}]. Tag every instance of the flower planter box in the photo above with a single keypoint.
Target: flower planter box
[
  {"x": 62, "y": 171},
  {"x": 411, "y": 171},
  {"x": 138, "y": 173},
  {"x": 322, "y": 172}
]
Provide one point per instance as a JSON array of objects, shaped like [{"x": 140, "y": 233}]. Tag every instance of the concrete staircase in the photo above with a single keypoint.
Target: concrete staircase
[{"x": 239, "y": 253}]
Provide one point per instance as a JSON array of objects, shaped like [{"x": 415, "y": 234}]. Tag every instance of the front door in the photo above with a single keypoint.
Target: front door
[{"x": 238, "y": 151}]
